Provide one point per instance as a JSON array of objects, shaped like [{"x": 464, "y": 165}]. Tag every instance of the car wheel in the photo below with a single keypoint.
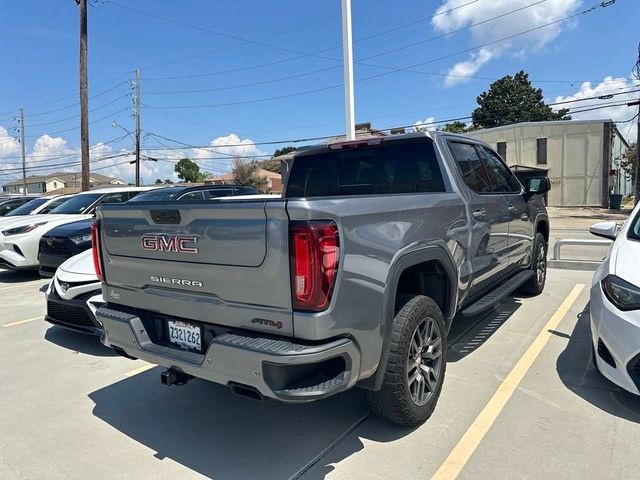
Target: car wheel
[
  {"x": 535, "y": 285},
  {"x": 416, "y": 365}
]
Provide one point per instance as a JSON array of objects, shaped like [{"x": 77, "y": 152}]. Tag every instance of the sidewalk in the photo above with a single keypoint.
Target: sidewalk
[{"x": 583, "y": 218}]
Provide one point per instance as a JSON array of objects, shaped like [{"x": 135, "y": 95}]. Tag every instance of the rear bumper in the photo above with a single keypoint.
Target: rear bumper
[{"x": 277, "y": 368}]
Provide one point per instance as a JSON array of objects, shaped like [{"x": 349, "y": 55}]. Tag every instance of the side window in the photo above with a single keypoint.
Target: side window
[
  {"x": 117, "y": 197},
  {"x": 198, "y": 195},
  {"x": 501, "y": 178},
  {"x": 470, "y": 167},
  {"x": 220, "y": 192}
]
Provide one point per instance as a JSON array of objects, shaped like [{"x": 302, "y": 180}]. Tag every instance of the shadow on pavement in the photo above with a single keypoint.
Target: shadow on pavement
[
  {"x": 578, "y": 372},
  {"x": 78, "y": 342},
  {"x": 210, "y": 430},
  {"x": 467, "y": 334},
  {"x": 17, "y": 276}
]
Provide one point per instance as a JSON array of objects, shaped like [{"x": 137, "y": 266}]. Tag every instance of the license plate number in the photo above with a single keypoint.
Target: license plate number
[{"x": 186, "y": 335}]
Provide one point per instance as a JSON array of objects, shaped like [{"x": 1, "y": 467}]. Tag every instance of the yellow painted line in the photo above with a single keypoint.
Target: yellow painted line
[
  {"x": 462, "y": 452},
  {"x": 20, "y": 322},
  {"x": 142, "y": 369}
]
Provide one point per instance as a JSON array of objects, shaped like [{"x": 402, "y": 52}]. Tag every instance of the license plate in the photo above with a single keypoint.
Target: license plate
[{"x": 186, "y": 335}]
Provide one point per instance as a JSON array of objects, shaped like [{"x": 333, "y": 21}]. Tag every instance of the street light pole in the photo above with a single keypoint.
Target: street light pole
[
  {"x": 137, "y": 127},
  {"x": 347, "y": 49}
]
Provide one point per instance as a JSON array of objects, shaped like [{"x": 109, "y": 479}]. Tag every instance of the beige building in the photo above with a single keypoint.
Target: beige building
[
  {"x": 274, "y": 180},
  {"x": 59, "y": 180},
  {"x": 582, "y": 157}
]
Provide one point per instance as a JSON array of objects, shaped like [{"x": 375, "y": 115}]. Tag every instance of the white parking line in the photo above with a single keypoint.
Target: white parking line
[
  {"x": 23, "y": 285},
  {"x": 20, "y": 322}
]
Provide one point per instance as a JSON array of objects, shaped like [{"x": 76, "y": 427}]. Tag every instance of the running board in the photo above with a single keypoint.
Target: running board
[{"x": 498, "y": 295}]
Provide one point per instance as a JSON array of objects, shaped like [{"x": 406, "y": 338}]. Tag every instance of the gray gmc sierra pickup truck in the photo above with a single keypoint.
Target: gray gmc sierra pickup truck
[{"x": 351, "y": 278}]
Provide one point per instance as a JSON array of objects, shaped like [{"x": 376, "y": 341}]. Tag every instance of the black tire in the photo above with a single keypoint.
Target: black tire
[
  {"x": 401, "y": 400},
  {"x": 535, "y": 285}
]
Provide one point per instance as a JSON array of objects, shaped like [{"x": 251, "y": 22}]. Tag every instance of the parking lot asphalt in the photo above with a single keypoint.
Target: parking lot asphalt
[{"x": 521, "y": 399}]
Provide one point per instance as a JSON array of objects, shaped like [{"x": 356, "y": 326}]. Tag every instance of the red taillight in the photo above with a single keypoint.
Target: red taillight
[
  {"x": 95, "y": 247},
  {"x": 315, "y": 249}
]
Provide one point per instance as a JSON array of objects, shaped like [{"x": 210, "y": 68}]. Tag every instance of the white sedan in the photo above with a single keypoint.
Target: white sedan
[
  {"x": 37, "y": 206},
  {"x": 74, "y": 295},
  {"x": 20, "y": 239},
  {"x": 615, "y": 304}
]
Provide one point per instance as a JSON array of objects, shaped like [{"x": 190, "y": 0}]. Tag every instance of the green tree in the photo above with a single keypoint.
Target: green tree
[
  {"x": 188, "y": 170},
  {"x": 158, "y": 181},
  {"x": 168, "y": 181},
  {"x": 455, "y": 127},
  {"x": 629, "y": 160},
  {"x": 247, "y": 172},
  {"x": 284, "y": 150},
  {"x": 512, "y": 100},
  {"x": 273, "y": 164}
]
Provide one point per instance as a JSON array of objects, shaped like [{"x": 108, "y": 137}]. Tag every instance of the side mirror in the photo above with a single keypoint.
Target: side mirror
[
  {"x": 538, "y": 185},
  {"x": 608, "y": 230}
]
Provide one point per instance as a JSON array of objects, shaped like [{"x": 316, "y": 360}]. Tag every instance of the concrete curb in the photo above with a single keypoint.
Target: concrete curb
[{"x": 583, "y": 265}]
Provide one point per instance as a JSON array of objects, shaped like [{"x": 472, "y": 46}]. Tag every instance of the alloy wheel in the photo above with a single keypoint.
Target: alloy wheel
[{"x": 424, "y": 361}]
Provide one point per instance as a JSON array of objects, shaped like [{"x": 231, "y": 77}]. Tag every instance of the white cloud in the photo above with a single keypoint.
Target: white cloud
[
  {"x": 9, "y": 147},
  {"x": 216, "y": 159},
  {"x": 494, "y": 30},
  {"x": 425, "y": 125},
  {"x": 609, "y": 85}
]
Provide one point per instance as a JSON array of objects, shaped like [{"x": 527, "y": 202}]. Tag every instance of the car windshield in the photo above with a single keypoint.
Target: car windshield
[
  {"x": 77, "y": 204},
  {"x": 634, "y": 229},
  {"x": 160, "y": 195},
  {"x": 28, "y": 207}
]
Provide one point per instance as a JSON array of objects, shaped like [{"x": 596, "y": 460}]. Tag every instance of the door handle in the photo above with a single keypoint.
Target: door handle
[
  {"x": 511, "y": 208},
  {"x": 524, "y": 217},
  {"x": 480, "y": 213}
]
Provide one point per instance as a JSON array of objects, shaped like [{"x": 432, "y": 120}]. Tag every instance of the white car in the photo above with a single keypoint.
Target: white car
[
  {"x": 74, "y": 295},
  {"x": 37, "y": 206},
  {"x": 615, "y": 304},
  {"x": 19, "y": 239}
]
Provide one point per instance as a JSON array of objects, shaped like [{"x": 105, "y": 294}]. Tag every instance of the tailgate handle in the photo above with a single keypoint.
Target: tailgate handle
[{"x": 166, "y": 217}]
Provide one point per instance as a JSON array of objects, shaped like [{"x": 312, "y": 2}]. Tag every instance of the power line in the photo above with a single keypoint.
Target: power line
[
  {"x": 444, "y": 121},
  {"x": 391, "y": 70}
]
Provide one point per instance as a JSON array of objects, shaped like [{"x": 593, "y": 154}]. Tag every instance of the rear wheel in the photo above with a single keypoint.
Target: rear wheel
[
  {"x": 535, "y": 285},
  {"x": 416, "y": 365}
]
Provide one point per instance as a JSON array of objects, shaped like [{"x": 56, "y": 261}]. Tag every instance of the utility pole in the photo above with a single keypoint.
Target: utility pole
[
  {"x": 137, "y": 127},
  {"x": 636, "y": 182},
  {"x": 347, "y": 49},
  {"x": 84, "y": 96},
  {"x": 24, "y": 156}
]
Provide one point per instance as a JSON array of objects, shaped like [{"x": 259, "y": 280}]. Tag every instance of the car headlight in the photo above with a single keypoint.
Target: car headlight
[
  {"x": 23, "y": 229},
  {"x": 623, "y": 295},
  {"x": 81, "y": 239}
]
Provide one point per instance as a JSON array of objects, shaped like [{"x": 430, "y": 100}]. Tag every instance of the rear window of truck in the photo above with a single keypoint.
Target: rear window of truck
[{"x": 394, "y": 167}]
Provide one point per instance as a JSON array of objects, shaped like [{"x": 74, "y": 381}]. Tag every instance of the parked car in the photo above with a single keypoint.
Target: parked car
[
  {"x": 615, "y": 304},
  {"x": 8, "y": 204},
  {"x": 19, "y": 241},
  {"x": 74, "y": 295},
  {"x": 352, "y": 278},
  {"x": 37, "y": 206},
  {"x": 61, "y": 243},
  {"x": 200, "y": 192}
]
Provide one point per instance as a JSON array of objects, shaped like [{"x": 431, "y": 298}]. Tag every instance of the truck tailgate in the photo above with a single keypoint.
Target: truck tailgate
[{"x": 221, "y": 263}]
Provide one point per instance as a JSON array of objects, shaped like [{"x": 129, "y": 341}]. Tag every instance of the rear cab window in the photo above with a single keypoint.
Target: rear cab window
[{"x": 392, "y": 167}]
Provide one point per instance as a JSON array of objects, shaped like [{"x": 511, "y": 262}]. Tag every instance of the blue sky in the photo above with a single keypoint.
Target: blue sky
[{"x": 237, "y": 56}]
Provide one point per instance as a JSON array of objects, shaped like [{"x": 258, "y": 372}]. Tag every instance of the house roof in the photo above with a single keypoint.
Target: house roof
[{"x": 65, "y": 177}]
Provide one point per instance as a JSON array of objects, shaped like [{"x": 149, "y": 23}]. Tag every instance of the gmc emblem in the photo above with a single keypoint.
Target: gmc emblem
[{"x": 169, "y": 243}]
